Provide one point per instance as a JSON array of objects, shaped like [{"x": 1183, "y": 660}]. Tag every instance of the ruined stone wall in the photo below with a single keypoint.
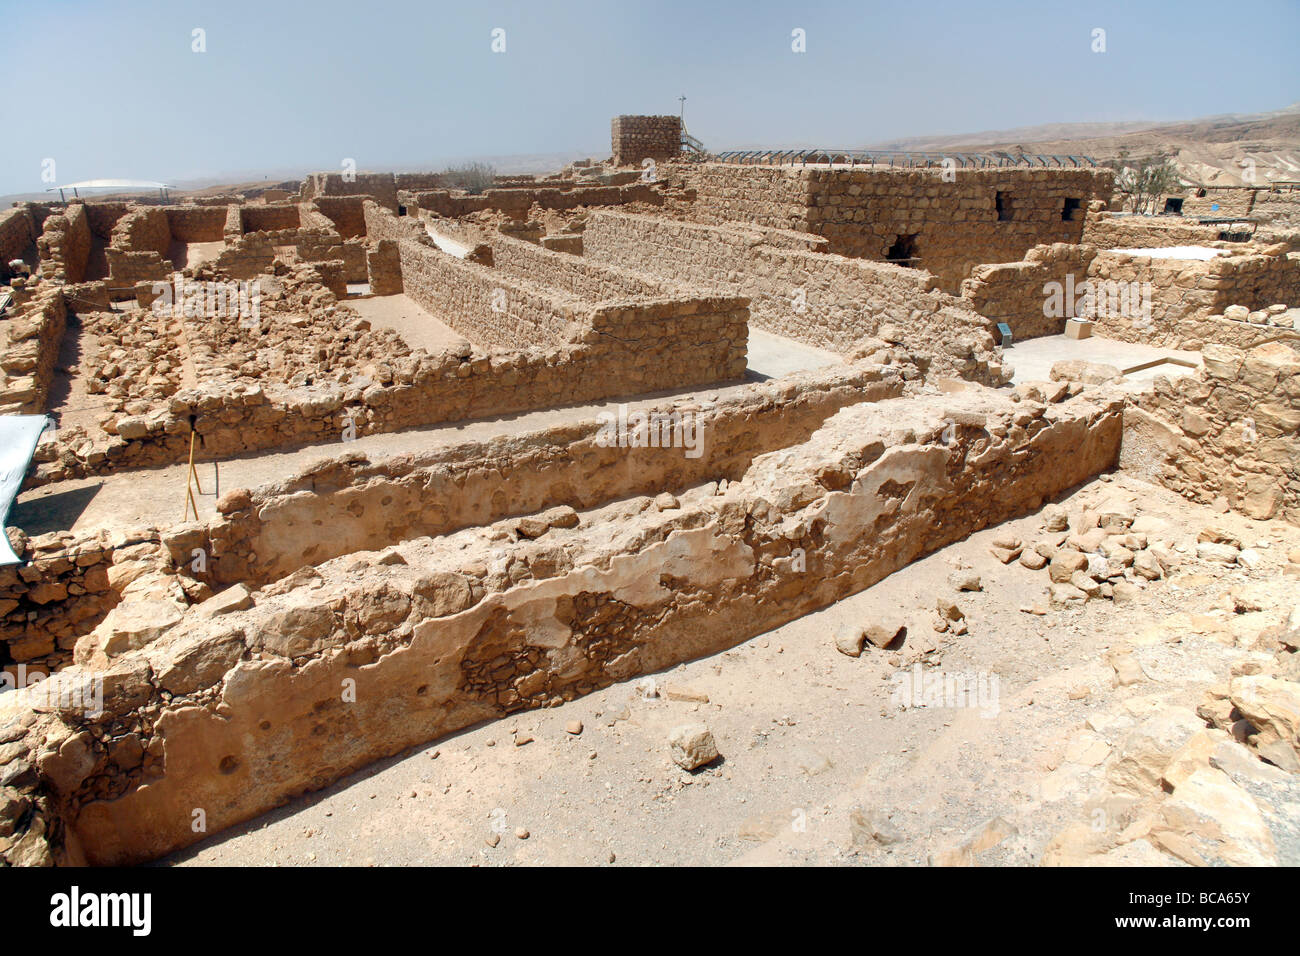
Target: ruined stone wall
[
  {"x": 621, "y": 349},
  {"x": 234, "y": 227},
  {"x": 352, "y": 504},
  {"x": 634, "y": 138},
  {"x": 269, "y": 218},
  {"x": 64, "y": 245},
  {"x": 489, "y": 308},
  {"x": 1229, "y": 200},
  {"x": 417, "y": 180},
  {"x": 144, "y": 229},
  {"x": 310, "y": 217},
  {"x": 381, "y": 225},
  {"x": 1227, "y": 433},
  {"x": 345, "y": 212},
  {"x": 103, "y": 217},
  {"x": 1281, "y": 207},
  {"x": 196, "y": 223},
  {"x": 59, "y": 593},
  {"x": 141, "y": 241},
  {"x": 1014, "y": 293},
  {"x": 32, "y": 335},
  {"x": 582, "y": 278},
  {"x": 384, "y": 268},
  {"x": 775, "y": 196},
  {"x": 18, "y": 232},
  {"x": 1112, "y": 231},
  {"x": 1190, "y": 291},
  {"x": 516, "y": 202},
  {"x": 237, "y": 712},
  {"x": 254, "y": 252},
  {"x": 946, "y": 228},
  {"x": 381, "y": 187},
  {"x": 823, "y": 300}
]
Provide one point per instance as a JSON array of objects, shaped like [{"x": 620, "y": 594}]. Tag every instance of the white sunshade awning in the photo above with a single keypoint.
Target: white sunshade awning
[
  {"x": 18, "y": 437},
  {"x": 110, "y": 184}
]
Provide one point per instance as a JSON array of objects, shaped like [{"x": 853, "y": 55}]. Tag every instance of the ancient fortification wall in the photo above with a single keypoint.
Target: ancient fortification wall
[
  {"x": 235, "y": 712},
  {"x": 352, "y": 504},
  {"x": 828, "y": 301},
  {"x": 946, "y": 228}
]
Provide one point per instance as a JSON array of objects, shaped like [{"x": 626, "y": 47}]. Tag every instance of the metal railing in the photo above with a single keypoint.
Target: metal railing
[{"x": 901, "y": 159}]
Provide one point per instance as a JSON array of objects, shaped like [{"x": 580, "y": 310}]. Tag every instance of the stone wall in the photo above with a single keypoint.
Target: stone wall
[
  {"x": 1279, "y": 206},
  {"x": 235, "y": 713},
  {"x": 1127, "y": 231},
  {"x": 634, "y": 138},
  {"x": 269, "y": 218},
  {"x": 418, "y": 180},
  {"x": 352, "y": 504},
  {"x": 59, "y": 593},
  {"x": 254, "y": 252},
  {"x": 600, "y": 350},
  {"x": 196, "y": 223},
  {"x": 1229, "y": 200},
  {"x": 573, "y": 275},
  {"x": 144, "y": 229},
  {"x": 1014, "y": 292},
  {"x": 346, "y": 214},
  {"x": 639, "y": 344},
  {"x": 1187, "y": 291},
  {"x": 384, "y": 267},
  {"x": 141, "y": 242},
  {"x": 64, "y": 245},
  {"x": 946, "y": 228},
  {"x": 489, "y": 308},
  {"x": 103, "y": 217},
  {"x": 18, "y": 232},
  {"x": 33, "y": 333},
  {"x": 381, "y": 187},
  {"x": 1227, "y": 434},
  {"x": 517, "y": 202},
  {"x": 828, "y": 301}
]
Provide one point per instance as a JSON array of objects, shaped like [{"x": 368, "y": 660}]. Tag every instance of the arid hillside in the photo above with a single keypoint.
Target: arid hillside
[{"x": 1212, "y": 151}]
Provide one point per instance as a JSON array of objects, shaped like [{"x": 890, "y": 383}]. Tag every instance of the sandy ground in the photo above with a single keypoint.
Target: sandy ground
[
  {"x": 774, "y": 355},
  {"x": 68, "y": 394},
  {"x": 192, "y": 254},
  {"x": 418, "y": 329},
  {"x": 807, "y": 736},
  {"x": 1032, "y": 359}
]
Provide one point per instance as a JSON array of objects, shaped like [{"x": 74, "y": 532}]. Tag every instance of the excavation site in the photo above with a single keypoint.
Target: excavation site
[{"x": 677, "y": 506}]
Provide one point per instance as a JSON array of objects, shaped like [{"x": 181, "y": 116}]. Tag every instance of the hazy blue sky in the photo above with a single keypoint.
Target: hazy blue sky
[{"x": 113, "y": 89}]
